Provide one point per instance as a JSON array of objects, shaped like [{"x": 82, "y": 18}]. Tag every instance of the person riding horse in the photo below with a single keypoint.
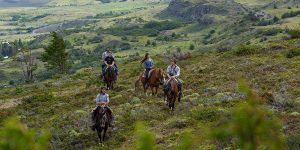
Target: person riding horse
[
  {"x": 109, "y": 61},
  {"x": 108, "y": 53},
  {"x": 102, "y": 100},
  {"x": 173, "y": 73},
  {"x": 148, "y": 65}
]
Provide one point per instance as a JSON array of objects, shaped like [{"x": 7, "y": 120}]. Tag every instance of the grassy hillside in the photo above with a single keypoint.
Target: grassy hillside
[{"x": 215, "y": 50}]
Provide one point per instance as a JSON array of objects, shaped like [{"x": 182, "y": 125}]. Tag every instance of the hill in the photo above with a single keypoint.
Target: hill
[{"x": 217, "y": 43}]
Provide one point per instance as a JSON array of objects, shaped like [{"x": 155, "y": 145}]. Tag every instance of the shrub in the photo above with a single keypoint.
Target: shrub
[
  {"x": 15, "y": 135},
  {"x": 154, "y": 44},
  {"x": 293, "y": 53},
  {"x": 192, "y": 47},
  {"x": 244, "y": 50},
  {"x": 206, "y": 114},
  {"x": 290, "y": 14},
  {"x": 125, "y": 46},
  {"x": 271, "y": 32},
  {"x": 294, "y": 33},
  {"x": 293, "y": 142},
  {"x": 251, "y": 127}
]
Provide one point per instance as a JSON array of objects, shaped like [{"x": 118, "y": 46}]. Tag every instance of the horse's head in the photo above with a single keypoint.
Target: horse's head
[
  {"x": 102, "y": 115},
  {"x": 161, "y": 76}
]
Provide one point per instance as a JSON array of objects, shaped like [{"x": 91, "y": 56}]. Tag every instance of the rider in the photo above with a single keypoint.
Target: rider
[
  {"x": 105, "y": 54},
  {"x": 102, "y": 99},
  {"x": 109, "y": 61},
  {"x": 173, "y": 72},
  {"x": 148, "y": 65}
]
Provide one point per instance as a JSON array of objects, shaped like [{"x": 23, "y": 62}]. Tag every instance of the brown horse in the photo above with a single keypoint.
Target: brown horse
[
  {"x": 156, "y": 78},
  {"x": 110, "y": 77},
  {"x": 172, "y": 94}
]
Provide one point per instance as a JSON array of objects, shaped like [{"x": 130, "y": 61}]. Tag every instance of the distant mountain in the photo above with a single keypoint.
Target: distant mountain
[
  {"x": 22, "y": 3},
  {"x": 196, "y": 9}
]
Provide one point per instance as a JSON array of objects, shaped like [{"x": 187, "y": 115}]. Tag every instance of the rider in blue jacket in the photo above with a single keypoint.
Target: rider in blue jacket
[{"x": 148, "y": 65}]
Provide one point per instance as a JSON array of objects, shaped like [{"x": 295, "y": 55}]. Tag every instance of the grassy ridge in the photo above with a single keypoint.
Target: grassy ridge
[{"x": 211, "y": 93}]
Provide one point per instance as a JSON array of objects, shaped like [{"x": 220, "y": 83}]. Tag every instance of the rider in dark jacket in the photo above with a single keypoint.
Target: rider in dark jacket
[{"x": 109, "y": 61}]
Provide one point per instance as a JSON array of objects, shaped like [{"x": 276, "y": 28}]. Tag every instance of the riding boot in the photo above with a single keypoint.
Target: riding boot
[{"x": 180, "y": 90}]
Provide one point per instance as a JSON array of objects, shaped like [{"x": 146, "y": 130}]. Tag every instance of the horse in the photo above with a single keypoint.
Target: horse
[
  {"x": 155, "y": 78},
  {"x": 171, "y": 94},
  {"x": 110, "y": 77},
  {"x": 102, "y": 122}
]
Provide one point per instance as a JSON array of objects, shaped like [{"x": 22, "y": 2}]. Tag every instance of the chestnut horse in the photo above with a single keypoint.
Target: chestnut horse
[
  {"x": 172, "y": 94},
  {"x": 156, "y": 78}
]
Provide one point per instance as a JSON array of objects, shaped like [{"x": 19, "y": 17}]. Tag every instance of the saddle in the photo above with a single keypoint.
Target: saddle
[{"x": 145, "y": 74}]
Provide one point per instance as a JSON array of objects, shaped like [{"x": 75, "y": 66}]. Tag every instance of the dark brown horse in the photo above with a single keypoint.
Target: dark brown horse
[
  {"x": 172, "y": 94},
  {"x": 110, "y": 77},
  {"x": 101, "y": 119},
  {"x": 156, "y": 78}
]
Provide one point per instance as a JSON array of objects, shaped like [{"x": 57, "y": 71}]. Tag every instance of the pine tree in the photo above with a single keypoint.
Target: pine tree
[{"x": 55, "y": 53}]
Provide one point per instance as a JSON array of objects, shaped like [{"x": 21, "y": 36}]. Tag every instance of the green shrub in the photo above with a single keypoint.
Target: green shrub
[
  {"x": 146, "y": 139},
  {"x": 206, "y": 114},
  {"x": 293, "y": 53},
  {"x": 252, "y": 127},
  {"x": 164, "y": 25},
  {"x": 294, "y": 33},
  {"x": 15, "y": 136},
  {"x": 290, "y": 14},
  {"x": 125, "y": 46},
  {"x": 192, "y": 47},
  {"x": 293, "y": 142},
  {"x": 244, "y": 50}
]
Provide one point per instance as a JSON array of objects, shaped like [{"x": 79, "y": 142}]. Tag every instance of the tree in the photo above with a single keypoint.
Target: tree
[
  {"x": 55, "y": 53},
  {"x": 27, "y": 64}
]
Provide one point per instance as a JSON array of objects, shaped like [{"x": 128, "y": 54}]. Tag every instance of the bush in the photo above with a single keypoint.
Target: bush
[
  {"x": 192, "y": 47},
  {"x": 164, "y": 25},
  {"x": 293, "y": 142},
  {"x": 293, "y": 53},
  {"x": 251, "y": 127},
  {"x": 206, "y": 114},
  {"x": 15, "y": 135},
  {"x": 125, "y": 46},
  {"x": 294, "y": 33},
  {"x": 271, "y": 32},
  {"x": 244, "y": 50},
  {"x": 290, "y": 14}
]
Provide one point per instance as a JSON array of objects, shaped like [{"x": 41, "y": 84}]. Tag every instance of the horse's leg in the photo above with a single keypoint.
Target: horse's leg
[
  {"x": 173, "y": 104},
  {"x": 156, "y": 89},
  {"x": 145, "y": 89},
  {"x": 105, "y": 129},
  {"x": 99, "y": 134},
  {"x": 152, "y": 90}
]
